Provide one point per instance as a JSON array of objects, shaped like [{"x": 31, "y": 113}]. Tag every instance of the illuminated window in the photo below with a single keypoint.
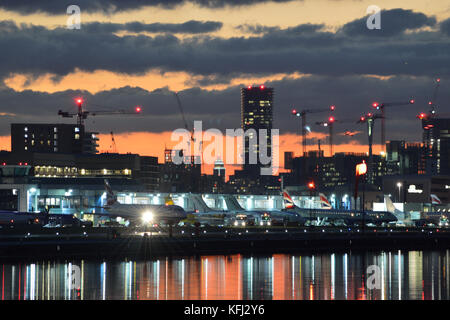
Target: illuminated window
[
  {"x": 77, "y": 136},
  {"x": 77, "y": 129}
]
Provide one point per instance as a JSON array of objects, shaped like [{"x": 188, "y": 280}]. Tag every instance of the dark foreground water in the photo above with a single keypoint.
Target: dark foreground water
[{"x": 391, "y": 275}]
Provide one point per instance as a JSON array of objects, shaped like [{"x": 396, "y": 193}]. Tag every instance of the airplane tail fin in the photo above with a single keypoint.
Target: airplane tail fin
[
  {"x": 110, "y": 196},
  {"x": 168, "y": 201},
  {"x": 199, "y": 203},
  {"x": 324, "y": 203},
  {"x": 232, "y": 203},
  {"x": 287, "y": 200},
  {"x": 435, "y": 199},
  {"x": 392, "y": 209}
]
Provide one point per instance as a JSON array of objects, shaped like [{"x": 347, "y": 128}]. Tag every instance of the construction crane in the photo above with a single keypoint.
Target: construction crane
[
  {"x": 305, "y": 128},
  {"x": 432, "y": 103},
  {"x": 329, "y": 124},
  {"x": 186, "y": 126},
  {"x": 381, "y": 106},
  {"x": 370, "y": 118},
  {"x": 82, "y": 114},
  {"x": 113, "y": 143}
]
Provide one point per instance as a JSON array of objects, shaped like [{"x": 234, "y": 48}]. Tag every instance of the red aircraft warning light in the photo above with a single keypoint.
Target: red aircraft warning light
[
  {"x": 262, "y": 87},
  {"x": 294, "y": 111},
  {"x": 332, "y": 107},
  {"x": 362, "y": 119},
  {"x": 421, "y": 115},
  {"x": 331, "y": 119},
  {"x": 376, "y": 105},
  {"x": 138, "y": 109},
  {"x": 412, "y": 101},
  {"x": 79, "y": 101},
  {"x": 311, "y": 185}
]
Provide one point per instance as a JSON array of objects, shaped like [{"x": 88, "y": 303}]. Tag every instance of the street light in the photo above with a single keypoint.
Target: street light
[
  {"x": 361, "y": 170},
  {"x": 311, "y": 187},
  {"x": 399, "y": 185}
]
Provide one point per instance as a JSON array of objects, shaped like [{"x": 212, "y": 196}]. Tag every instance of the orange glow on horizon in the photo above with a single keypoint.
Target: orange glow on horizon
[{"x": 153, "y": 144}]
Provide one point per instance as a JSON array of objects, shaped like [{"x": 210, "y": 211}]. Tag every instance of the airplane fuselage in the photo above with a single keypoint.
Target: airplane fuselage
[
  {"x": 161, "y": 213},
  {"x": 346, "y": 215}
]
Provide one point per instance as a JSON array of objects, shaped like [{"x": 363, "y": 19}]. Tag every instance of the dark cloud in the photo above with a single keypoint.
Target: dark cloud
[
  {"x": 445, "y": 27},
  {"x": 56, "y": 7},
  {"x": 393, "y": 22},
  {"x": 192, "y": 27},
  {"x": 309, "y": 49},
  {"x": 300, "y": 29}
]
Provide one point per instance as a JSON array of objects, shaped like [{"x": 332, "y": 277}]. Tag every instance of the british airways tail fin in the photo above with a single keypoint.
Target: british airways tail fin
[
  {"x": 110, "y": 197},
  {"x": 435, "y": 199},
  {"x": 287, "y": 201},
  {"x": 324, "y": 203}
]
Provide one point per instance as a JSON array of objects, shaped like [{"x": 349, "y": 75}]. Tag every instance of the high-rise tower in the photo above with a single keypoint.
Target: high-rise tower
[{"x": 256, "y": 113}]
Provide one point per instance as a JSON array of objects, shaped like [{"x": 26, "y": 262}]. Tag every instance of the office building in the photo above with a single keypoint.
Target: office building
[
  {"x": 436, "y": 138},
  {"x": 52, "y": 138},
  {"x": 256, "y": 114},
  {"x": 405, "y": 158}
]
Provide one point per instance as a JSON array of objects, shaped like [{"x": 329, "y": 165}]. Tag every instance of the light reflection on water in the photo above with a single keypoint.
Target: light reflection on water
[{"x": 340, "y": 276}]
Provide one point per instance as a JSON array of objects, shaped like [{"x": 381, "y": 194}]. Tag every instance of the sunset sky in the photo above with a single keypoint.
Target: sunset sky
[{"x": 314, "y": 53}]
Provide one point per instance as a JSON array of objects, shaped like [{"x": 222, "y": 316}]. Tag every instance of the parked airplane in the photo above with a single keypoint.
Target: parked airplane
[
  {"x": 264, "y": 217},
  {"x": 205, "y": 215},
  {"x": 348, "y": 216},
  {"x": 435, "y": 218},
  {"x": 146, "y": 213}
]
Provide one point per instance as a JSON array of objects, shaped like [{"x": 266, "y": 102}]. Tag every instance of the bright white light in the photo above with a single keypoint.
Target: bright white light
[
  {"x": 33, "y": 190},
  {"x": 147, "y": 217}
]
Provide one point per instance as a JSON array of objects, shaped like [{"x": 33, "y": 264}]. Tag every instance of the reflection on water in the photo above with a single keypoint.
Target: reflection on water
[{"x": 404, "y": 275}]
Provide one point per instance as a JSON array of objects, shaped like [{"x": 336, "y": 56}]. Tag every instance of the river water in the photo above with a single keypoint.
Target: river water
[{"x": 391, "y": 275}]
